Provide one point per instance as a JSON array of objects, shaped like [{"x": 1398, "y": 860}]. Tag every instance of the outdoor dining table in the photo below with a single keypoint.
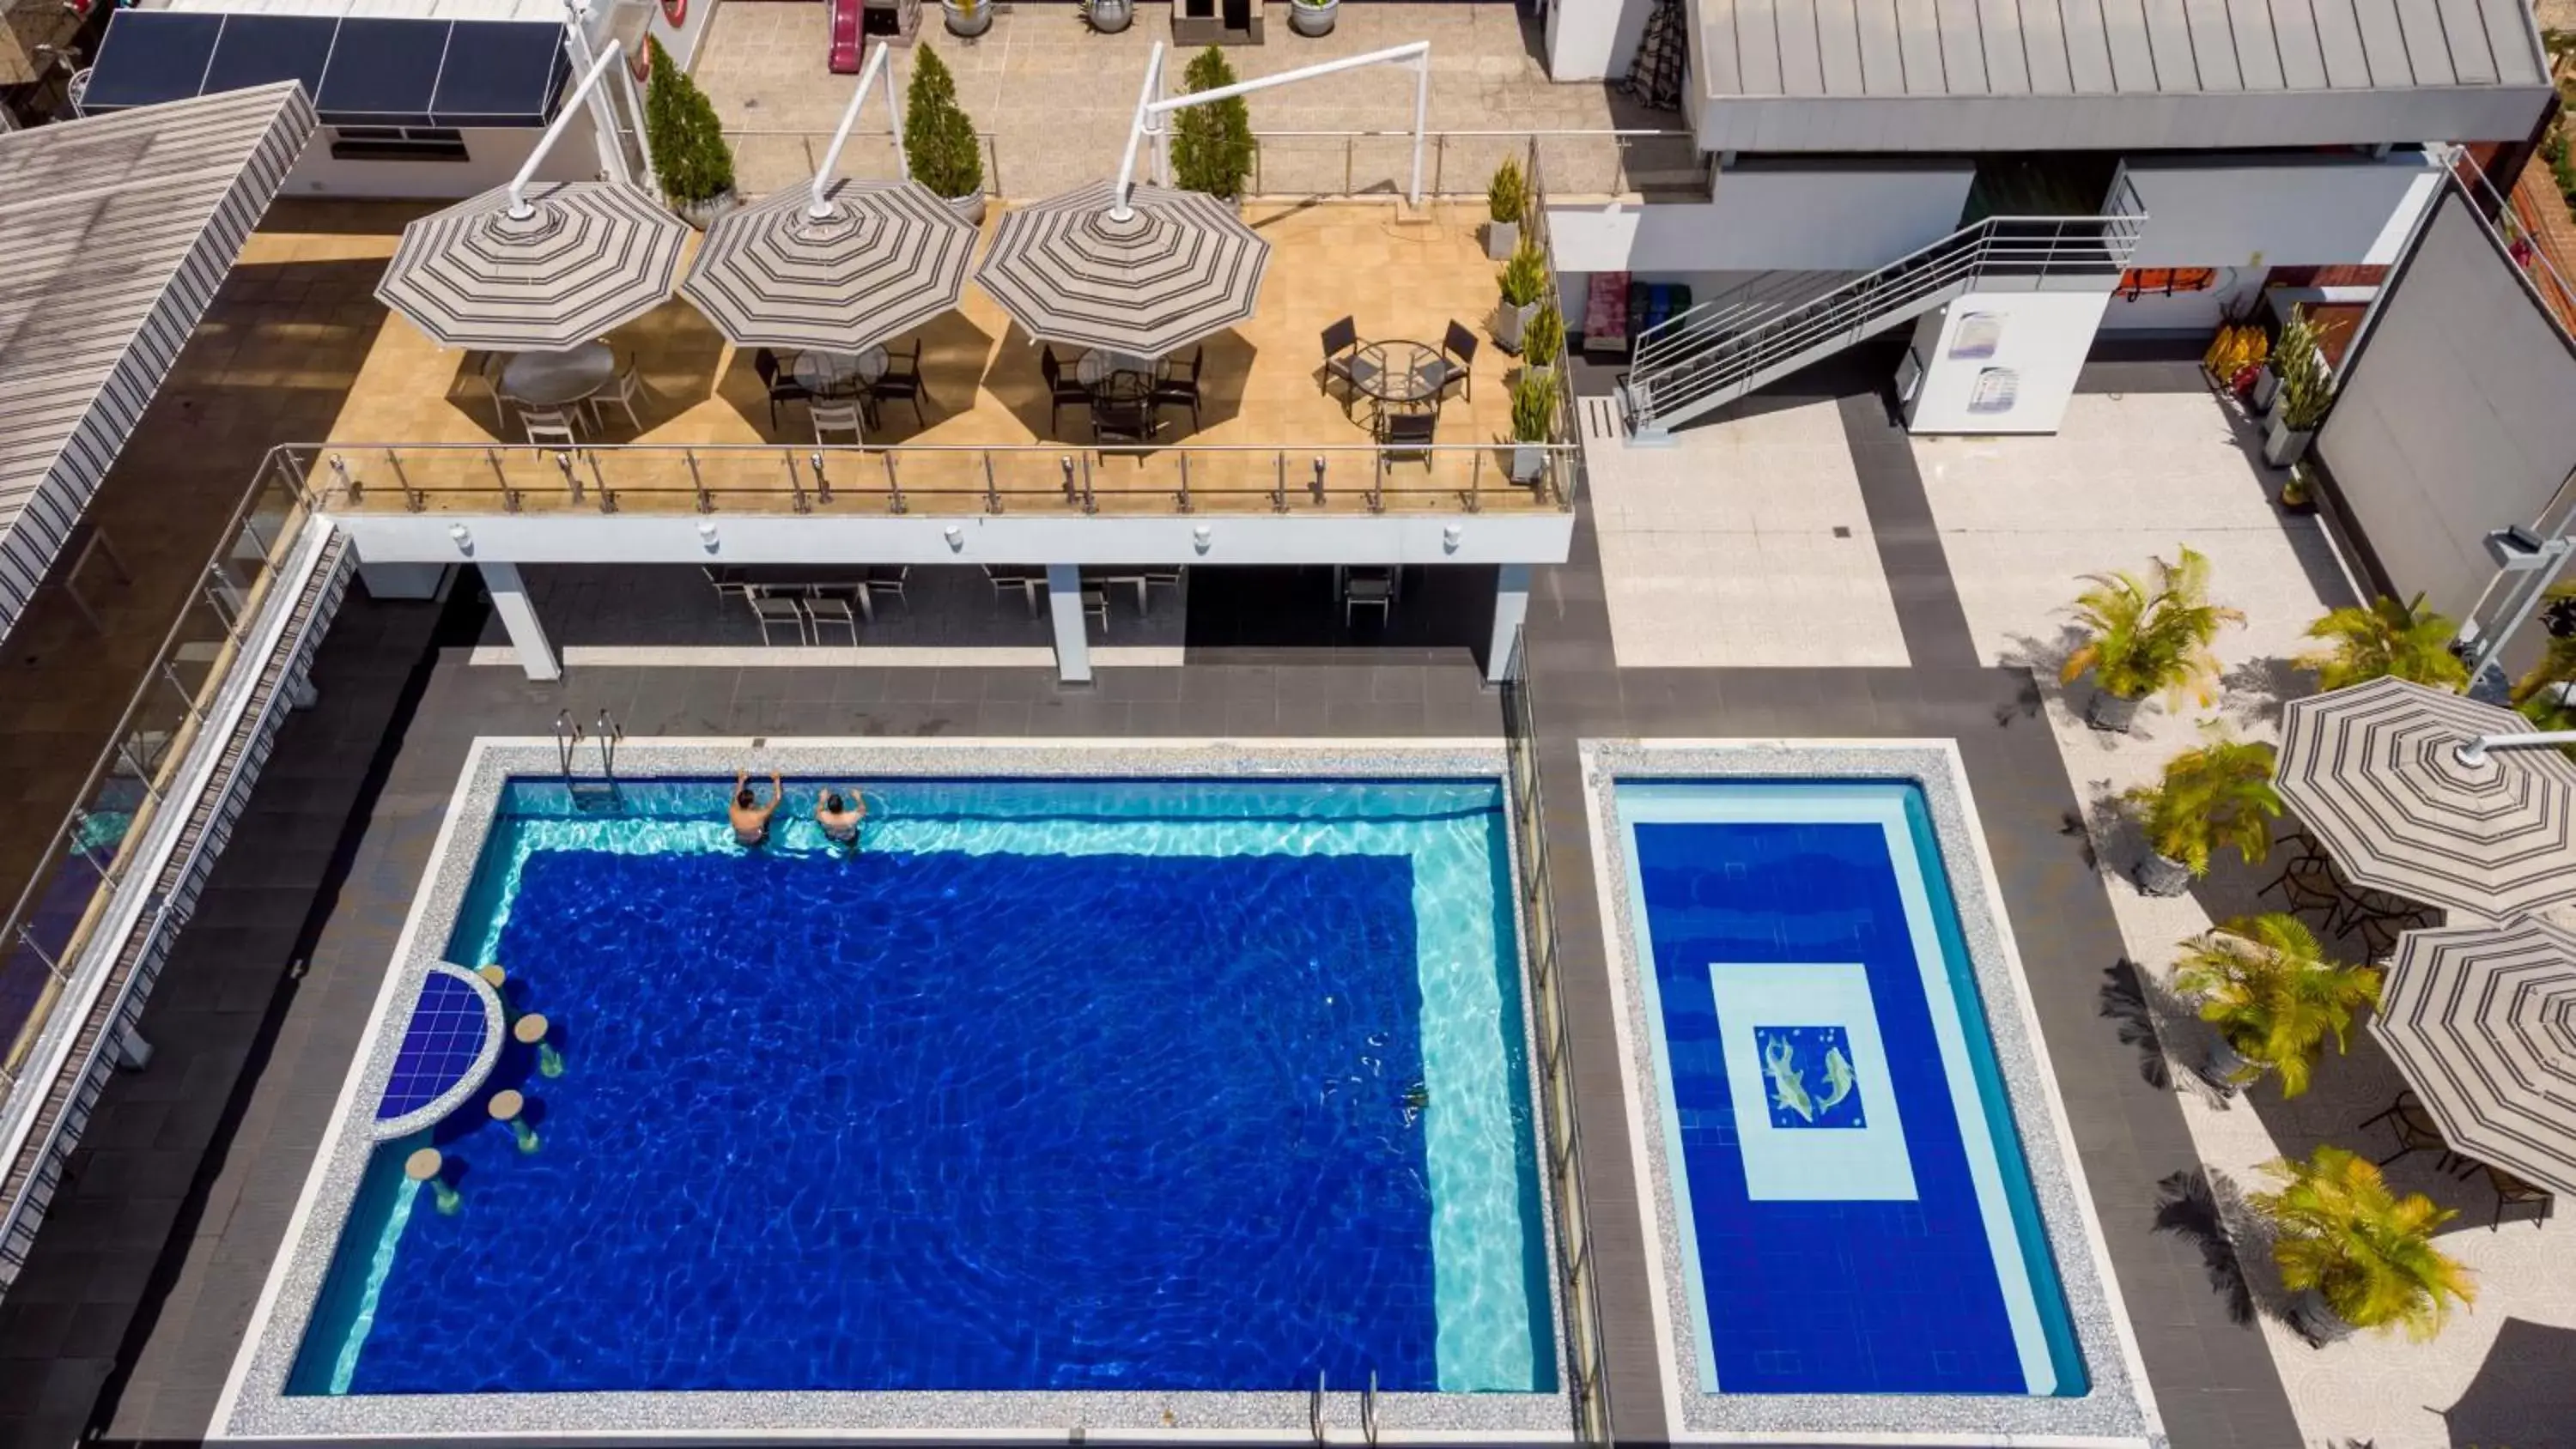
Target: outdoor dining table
[
  {"x": 553, "y": 379},
  {"x": 1101, "y": 364},
  {"x": 838, "y": 374},
  {"x": 1399, "y": 371}
]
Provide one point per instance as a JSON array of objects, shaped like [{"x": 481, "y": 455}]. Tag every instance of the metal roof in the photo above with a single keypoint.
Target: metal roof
[
  {"x": 2071, "y": 75},
  {"x": 117, "y": 233}
]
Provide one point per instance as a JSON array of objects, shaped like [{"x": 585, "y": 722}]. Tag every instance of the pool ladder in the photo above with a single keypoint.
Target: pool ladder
[
  {"x": 601, "y": 793},
  {"x": 1368, "y": 1410}
]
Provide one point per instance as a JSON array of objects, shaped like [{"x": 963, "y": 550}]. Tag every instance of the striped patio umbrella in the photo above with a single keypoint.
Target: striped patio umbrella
[
  {"x": 2482, "y": 1020},
  {"x": 888, "y": 257},
  {"x": 589, "y": 257},
  {"x": 2375, "y": 774},
  {"x": 1181, "y": 266}
]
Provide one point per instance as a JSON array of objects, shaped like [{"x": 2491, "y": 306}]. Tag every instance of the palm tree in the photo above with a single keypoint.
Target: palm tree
[
  {"x": 2149, "y": 636},
  {"x": 2268, "y": 987},
  {"x": 2216, "y": 797},
  {"x": 2406, "y": 640},
  {"x": 2368, "y": 1253}
]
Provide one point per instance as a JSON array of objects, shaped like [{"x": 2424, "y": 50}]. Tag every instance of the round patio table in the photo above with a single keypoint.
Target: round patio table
[
  {"x": 835, "y": 374},
  {"x": 1100, "y": 364},
  {"x": 1398, "y": 371},
  {"x": 553, "y": 379}
]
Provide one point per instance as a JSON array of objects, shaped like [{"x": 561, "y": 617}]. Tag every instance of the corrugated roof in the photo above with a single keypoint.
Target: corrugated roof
[
  {"x": 117, "y": 233},
  {"x": 1999, "y": 75}
]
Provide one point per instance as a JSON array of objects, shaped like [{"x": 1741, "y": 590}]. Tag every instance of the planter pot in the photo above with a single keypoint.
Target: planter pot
[
  {"x": 1526, "y": 465},
  {"x": 1110, "y": 16},
  {"x": 2267, "y": 390},
  {"x": 2303, "y": 503},
  {"x": 2226, "y": 1069},
  {"x": 969, "y": 207},
  {"x": 703, "y": 214},
  {"x": 1502, "y": 238},
  {"x": 2285, "y": 445},
  {"x": 2158, "y": 876},
  {"x": 967, "y": 20},
  {"x": 2316, "y": 1321},
  {"x": 1310, "y": 19},
  {"x": 2108, "y": 711},
  {"x": 1509, "y": 323}
]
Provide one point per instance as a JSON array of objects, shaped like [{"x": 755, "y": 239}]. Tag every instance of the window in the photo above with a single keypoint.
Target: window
[{"x": 397, "y": 143}]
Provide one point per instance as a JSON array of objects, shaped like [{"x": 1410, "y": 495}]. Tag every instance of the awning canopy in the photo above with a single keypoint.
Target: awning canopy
[
  {"x": 116, "y": 234},
  {"x": 360, "y": 70}
]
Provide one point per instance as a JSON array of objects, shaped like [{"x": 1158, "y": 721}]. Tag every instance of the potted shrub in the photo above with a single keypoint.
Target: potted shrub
[
  {"x": 939, "y": 141},
  {"x": 1212, "y": 144},
  {"x": 1506, "y": 200},
  {"x": 1108, "y": 16},
  {"x": 2146, "y": 636},
  {"x": 2217, "y": 797},
  {"x": 1312, "y": 18},
  {"x": 2306, "y": 386},
  {"x": 2387, "y": 638},
  {"x": 2299, "y": 491},
  {"x": 2274, "y": 997},
  {"x": 967, "y": 18},
  {"x": 2358, "y": 1255},
  {"x": 1533, "y": 424},
  {"x": 2540, "y": 693},
  {"x": 690, "y": 157},
  {"x": 1542, "y": 341},
  {"x": 1523, "y": 282}
]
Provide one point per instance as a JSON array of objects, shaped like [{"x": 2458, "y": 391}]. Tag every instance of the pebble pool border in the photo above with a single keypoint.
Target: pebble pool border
[
  {"x": 2119, "y": 1408},
  {"x": 255, "y": 1405}
]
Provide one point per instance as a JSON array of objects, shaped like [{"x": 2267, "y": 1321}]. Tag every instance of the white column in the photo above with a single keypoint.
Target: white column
[
  {"x": 1511, "y": 606},
  {"x": 133, "y": 1053},
  {"x": 300, "y": 693},
  {"x": 519, "y": 615},
  {"x": 1064, "y": 608}
]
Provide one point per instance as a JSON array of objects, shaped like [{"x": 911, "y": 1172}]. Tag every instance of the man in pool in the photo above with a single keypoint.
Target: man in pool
[
  {"x": 750, "y": 818},
  {"x": 840, "y": 821}
]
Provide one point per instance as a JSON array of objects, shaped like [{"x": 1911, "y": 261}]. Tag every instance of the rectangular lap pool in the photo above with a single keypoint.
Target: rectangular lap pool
[
  {"x": 1189, "y": 1090},
  {"x": 1848, "y": 1199}
]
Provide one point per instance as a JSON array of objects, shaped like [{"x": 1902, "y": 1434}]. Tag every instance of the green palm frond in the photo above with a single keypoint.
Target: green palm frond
[
  {"x": 2368, "y": 1252},
  {"x": 2386, "y": 638},
  {"x": 2217, "y": 797},
  {"x": 2269, "y": 988},
  {"x": 2150, "y": 635}
]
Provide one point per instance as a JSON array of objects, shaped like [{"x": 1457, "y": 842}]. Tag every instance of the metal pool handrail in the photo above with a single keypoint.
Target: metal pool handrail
[{"x": 1588, "y": 1383}]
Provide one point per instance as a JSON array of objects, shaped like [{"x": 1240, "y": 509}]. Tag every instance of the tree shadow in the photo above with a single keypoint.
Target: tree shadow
[
  {"x": 2127, "y": 1002},
  {"x": 2252, "y": 693},
  {"x": 2205, "y": 1209}
]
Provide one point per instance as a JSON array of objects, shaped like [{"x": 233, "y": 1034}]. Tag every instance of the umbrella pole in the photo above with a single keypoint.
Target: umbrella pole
[
  {"x": 2475, "y": 751},
  {"x": 519, "y": 207},
  {"x": 1145, "y": 103},
  {"x": 876, "y": 72},
  {"x": 1150, "y": 111}
]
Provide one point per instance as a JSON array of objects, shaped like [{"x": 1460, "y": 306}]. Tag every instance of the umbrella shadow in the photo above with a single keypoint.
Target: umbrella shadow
[
  {"x": 2523, "y": 1393},
  {"x": 1016, "y": 380},
  {"x": 955, "y": 357}
]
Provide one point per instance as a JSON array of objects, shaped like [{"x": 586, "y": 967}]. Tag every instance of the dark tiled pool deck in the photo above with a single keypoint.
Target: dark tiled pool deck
[{"x": 143, "y": 1282}]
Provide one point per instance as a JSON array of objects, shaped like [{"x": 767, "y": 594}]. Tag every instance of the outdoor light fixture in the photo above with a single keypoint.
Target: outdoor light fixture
[
  {"x": 464, "y": 537},
  {"x": 707, "y": 533},
  {"x": 1450, "y": 537},
  {"x": 1202, "y": 537},
  {"x": 956, "y": 538}
]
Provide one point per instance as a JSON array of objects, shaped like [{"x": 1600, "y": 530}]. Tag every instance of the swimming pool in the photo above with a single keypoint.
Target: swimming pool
[
  {"x": 1843, "y": 1175},
  {"x": 1168, "y": 1086}
]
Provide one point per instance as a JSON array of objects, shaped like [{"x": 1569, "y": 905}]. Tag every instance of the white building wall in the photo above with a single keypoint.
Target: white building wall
[
  {"x": 1824, "y": 219},
  {"x": 1593, "y": 39},
  {"x": 2280, "y": 214},
  {"x": 1999, "y": 362}
]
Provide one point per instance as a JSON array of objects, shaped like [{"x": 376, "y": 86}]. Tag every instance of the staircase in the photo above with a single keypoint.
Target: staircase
[{"x": 1744, "y": 339}]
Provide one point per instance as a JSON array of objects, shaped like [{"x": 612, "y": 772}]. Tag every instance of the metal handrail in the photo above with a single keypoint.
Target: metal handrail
[
  {"x": 1588, "y": 1384},
  {"x": 1697, "y": 353}
]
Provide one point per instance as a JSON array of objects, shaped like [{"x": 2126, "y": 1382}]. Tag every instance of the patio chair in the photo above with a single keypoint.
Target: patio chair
[
  {"x": 549, "y": 427},
  {"x": 1407, "y": 435},
  {"x": 1062, "y": 392},
  {"x": 1014, "y": 581},
  {"x": 781, "y": 389},
  {"x": 621, "y": 392},
  {"x": 1341, "y": 359},
  {"x": 825, "y": 608},
  {"x": 2512, "y": 1191},
  {"x": 1179, "y": 386},
  {"x": 885, "y": 583},
  {"x": 1123, "y": 419},
  {"x": 1456, "y": 363},
  {"x": 835, "y": 417},
  {"x": 902, "y": 383},
  {"x": 2416, "y": 1132},
  {"x": 773, "y": 610},
  {"x": 1368, "y": 592},
  {"x": 726, "y": 581},
  {"x": 483, "y": 369},
  {"x": 1095, "y": 602}
]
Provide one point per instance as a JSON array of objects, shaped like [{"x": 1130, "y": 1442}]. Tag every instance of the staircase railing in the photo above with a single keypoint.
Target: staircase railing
[{"x": 1729, "y": 345}]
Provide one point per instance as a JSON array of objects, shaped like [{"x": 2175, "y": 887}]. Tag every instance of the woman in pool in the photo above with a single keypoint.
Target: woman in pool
[
  {"x": 750, "y": 818},
  {"x": 838, "y": 817}
]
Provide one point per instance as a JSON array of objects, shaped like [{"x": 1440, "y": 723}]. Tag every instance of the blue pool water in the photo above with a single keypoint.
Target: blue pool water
[
  {"x": 1063, "y": 1085},
  {"x": 1856, "y": 1214}
]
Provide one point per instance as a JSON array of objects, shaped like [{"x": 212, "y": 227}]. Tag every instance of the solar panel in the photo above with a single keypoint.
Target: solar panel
[
  {"x": 258, "y": 49},
  {"x": 446, "y": 1035},
  {"x": 151, "y": 56},
  {"x": 383, "y": 72},
  {"x": 500, "y": 73}
]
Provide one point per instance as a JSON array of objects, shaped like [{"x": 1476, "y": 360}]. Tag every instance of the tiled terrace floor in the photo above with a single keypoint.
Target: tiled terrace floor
[{"x": 1398, "y": 277}]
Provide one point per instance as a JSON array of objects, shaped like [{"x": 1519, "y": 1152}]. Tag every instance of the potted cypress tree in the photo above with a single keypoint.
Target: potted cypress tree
[
  {"x": 1312, "y": 18},
  {"x": 2358, "y": 1255},
  {"x": 2217, "y": 797},
  {"x": 1542, "y": 340},
  {"x": 939, "y": 141},
  {"x": 1533, "y": 423},
  {"x": 2146, "y": 636},
  {"x": 2274, "y": 997},
  {"x": 1506, "y": 199},
  {"x": 2306, "y": 386},
  {"x": 1523, "y": 281},
  {"x": 1212, "y": 143},
  {"x": 2387, "y": 638},
  {"x": 690, "y": 157}
]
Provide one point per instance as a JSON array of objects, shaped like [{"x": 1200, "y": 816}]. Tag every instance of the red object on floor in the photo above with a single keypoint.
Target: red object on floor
[{"x": 848, "y": 48}]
